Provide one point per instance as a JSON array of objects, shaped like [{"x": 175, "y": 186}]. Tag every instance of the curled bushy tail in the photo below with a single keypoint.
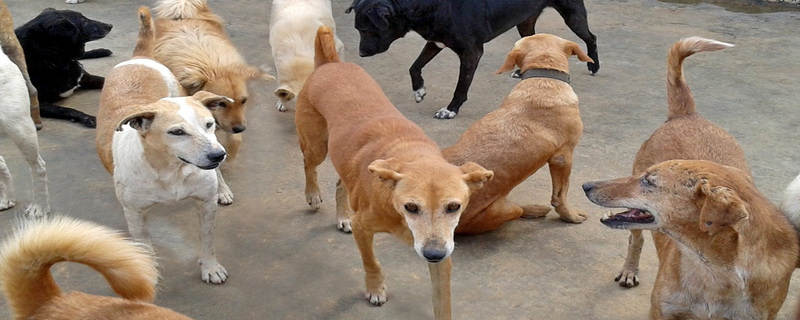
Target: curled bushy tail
[
  {"x": 325, "y": 47},
  {"x": 26, "y": 258},
  {"x": 147, "y": 34},
  {"x": 680, "y": 99}
]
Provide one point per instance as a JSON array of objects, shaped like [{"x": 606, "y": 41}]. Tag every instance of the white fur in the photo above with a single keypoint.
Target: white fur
[
  {"x": 790, "y": 203},
  {"x": 173, "y": 86},
  {"x": 16, "y": 122},
  {"x": 443, "y": 113},
  {"x": 292, "y": 31},
  {"x": 74, "y": 1},
  {"x": 419, "y": 94}
]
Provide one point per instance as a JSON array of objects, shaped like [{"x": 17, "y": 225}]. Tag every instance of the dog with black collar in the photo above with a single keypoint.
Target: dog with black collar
[
  {"x": 463, "y": 26},
  {"x": 538, "y": 123}
]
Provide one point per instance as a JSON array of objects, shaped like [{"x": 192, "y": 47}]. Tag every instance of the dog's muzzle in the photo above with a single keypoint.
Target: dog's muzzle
[{"x": 434, "y": 251}]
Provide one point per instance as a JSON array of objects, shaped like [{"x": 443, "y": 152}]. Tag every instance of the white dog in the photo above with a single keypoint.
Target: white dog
[
  {"x": 292, "y": 29},
  {"x": 16, "y": 122}
]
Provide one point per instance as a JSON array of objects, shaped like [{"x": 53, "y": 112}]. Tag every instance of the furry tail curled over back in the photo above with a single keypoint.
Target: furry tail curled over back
[
  {"x": 147, "y": 34},
  {"x": 325, "y": 47},
  {"x": 26, "y": 258},
  {"x": 680, "y": 99}
]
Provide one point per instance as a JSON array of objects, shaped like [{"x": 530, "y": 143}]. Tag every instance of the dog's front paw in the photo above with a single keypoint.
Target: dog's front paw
[
  {"x": 225, "y": 197},
  {"x": 377, "y": 297},
  {"x": 280, "y": 106},
  {"x": 6, "y": 203},
  {"x": 443, "y": 113},
  {"x": 89, "y": 121},
  {"x": 419, "y": 94},
  {"x": 314, "y": 200},
  {"x": 628, "y": 278},
  {"x": 212, "y": 272},
  {"x": 35, "y": 211},
  {"x": 593, "y": 67},
  {"x": 74, "y": 1},
  {"x": 343, "y": 225},
  {"x": 574, "y": 216}
]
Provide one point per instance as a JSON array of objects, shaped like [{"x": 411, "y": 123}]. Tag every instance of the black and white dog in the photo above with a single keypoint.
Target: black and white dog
[
  {"x": 53, "y": 43},
  {"x": 461, "y": 25}
]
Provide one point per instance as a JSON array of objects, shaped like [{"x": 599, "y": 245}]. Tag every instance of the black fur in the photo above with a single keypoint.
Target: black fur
[
  {"x": 53, "y": 42},
  {"x": 461, "y": 25}
]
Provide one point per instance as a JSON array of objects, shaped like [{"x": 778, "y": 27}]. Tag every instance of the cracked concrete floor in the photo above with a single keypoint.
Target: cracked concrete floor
[{"x": 288, "y": 263}]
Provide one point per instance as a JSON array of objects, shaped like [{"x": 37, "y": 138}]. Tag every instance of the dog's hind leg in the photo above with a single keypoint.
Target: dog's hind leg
[
  {"x": 629, "y": 275},
  {"x": 497, "y": 213},
  {"x": 375, "y": 280},
  {"x": 312, "y": 131},
  {"x": 417, "y": 83},
  {"x": 59, "y": 112},
  {"x": 560, "y": 169},
  {"x": 96, "y": 53},
  {"x": 23, "y": 133},
  {"x": 528, "y": 27},
  {"x": 440, "y": 279},
  {"x": 210, "y": 270},
  {"x": 575, "y": 18},
  {"x": 7, "y": 200},
  {"x": 90, "y": 81},
  {"x": 343, "y": 210}
]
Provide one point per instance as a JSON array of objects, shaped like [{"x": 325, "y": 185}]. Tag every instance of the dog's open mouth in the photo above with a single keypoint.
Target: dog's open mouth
[
  {"x": 208, "y": 167},
  {"x": 628, "y": 219}
]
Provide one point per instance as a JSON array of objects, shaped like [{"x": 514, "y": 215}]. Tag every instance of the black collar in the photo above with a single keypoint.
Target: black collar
[{"x": 545, "y": 73}]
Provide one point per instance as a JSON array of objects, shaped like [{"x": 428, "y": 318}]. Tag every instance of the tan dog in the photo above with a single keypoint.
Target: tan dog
[
  {"x": 31, "y": 292},
  {"x": 538, "y": 123},
  {"x": 685, "y": 135},
  {"x": 11, "y": 47},
  {"x": 394, "y": 175},
  {"x": 724, "y": 251},
  {"x": 159, "y": 145},
  {"x": 192, "y": 42}
]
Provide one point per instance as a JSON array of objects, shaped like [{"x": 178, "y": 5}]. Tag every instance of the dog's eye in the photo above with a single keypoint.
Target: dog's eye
[
  {"x": 453, "y": 207},
  {"x": 411, "y": 208},
  {"x": 209, "y": 124},
  {"x": 177, "y": 132}
]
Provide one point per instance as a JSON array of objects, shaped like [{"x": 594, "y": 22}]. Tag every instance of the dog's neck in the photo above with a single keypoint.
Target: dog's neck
[
  {"x": 545, "y": 73},
  {"x": 714, "y": 251}
]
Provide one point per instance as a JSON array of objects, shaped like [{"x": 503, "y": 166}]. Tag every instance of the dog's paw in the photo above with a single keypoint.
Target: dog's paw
[
  {"x": 314, "y": 200},
  {"x": 212, "y": 272},
  {"x": 516, "y": 74},
  {"x": 6, "y": 203},
  {"x": 419, "y": 94},
  {"x": 35, "y": 211},
  {"x": 377, "y": 298},
  {"x": 443, "y": 113},
  {"x": 343, "y": 225},
  {"x": 593, "y": 67},
  {"x": 575, "y": 216},
  {"x": 89, "y": 121},
  {"x": 74, "y": 1},
  {"x": 280, "y": 106},
  {"x": 628, "y": 278},
  {"x": 225, "y": 197}
]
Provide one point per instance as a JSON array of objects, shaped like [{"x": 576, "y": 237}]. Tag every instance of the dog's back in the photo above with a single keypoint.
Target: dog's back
[
  {"x": 686, "y": 135},
  {"x": 130, "y": 269}
]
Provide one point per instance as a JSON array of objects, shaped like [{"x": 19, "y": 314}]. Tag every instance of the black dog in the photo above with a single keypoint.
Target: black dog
[
  {"x": 461, "y": 25},
  {"x": 53, "y": 42}
]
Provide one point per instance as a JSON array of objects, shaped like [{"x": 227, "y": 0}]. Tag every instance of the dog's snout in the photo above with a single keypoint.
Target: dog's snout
[
  {"x": 588, "y": 186},
  {"x": 434, "y": 250},
  {"x": 216, "y": 157},
  {"x": 238, "y": 129}
]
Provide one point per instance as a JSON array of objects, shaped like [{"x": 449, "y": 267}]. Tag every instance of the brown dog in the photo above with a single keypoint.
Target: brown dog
[
  {"x": 31, "y": 292},
  {"x": 11, "y": 47},
  {"x": 538, "y": 123},
  {"x": 192, "y": 42},
  {"x": 724, "y": 250},
  {"x": 394, "y": 175}
]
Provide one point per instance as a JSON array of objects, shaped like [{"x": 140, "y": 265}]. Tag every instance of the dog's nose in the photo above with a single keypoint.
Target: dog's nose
[
  {"x": 238, "y": 129},
  {"x": 216, "y": 157},
  {"x": 588, "y": 186},
  {"x": 433, "y": 251}
]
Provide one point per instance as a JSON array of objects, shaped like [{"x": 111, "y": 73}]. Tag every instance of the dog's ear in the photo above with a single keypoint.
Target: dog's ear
[
  {"x": 352, "y": 6},
  {"x": 386, "y": 171},
  {"x": 140, "y": 121},
  {"x": 720, "y": 209},
  {"x": 285, "y": 93},
  {"x": 475, "y": 175},
  {"x": 212, "y": 101},
  {"x": 193, "y": 81},
  {"x": 573, "y": 49},
  {"x": 60, "y": 27},
  {"x": 378, "y": 14},
  {"x": 511, "y": 61}
]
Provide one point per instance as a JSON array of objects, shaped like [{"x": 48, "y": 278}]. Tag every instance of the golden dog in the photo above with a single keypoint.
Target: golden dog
[
  {"x": 31, "y": 292},
  {"x": 394, "y": 175},
  {"x": 538, "y": 123}
]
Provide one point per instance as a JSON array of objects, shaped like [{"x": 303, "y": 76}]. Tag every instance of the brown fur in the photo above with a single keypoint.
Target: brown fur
[
  {"x": 11, "y": 47},
  {"x": 32, "y": 293},
  {"x": 724, "y": 250},
  {"x": 389, "y": 168},
  {"x": 538, "y": 123},
  {"x": 192, "y": 42}
]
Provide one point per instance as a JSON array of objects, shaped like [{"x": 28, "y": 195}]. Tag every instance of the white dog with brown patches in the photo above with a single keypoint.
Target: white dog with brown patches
[{"x": 159, "y": 145}]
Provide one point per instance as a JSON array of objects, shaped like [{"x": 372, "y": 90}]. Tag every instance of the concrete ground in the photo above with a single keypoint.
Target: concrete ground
[{"x": 286, "y": 262}]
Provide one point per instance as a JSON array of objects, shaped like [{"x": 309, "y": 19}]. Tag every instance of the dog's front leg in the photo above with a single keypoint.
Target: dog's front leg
[
  {"x": 440, "y": 279},
  {"x": 7, "y": 200},
  {"x": 469, "y": 63},
  {"x": 224, "y": 193},
  {"x": 136, "y": 219},
  {"x": 210, "y": 270},
  {"x": 376, "y": 286},
  {"x": 342, "y": 208},
  {"x": 417, "y": 83}
]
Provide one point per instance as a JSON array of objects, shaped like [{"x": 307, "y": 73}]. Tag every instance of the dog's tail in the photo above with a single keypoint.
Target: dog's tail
[
  {"x": 186, "y": 9},
  {"x": 147, "y": 34},
  {"x": 325, "y": 47},
  {"x": 680, "y": 99},
  {"x": 26, "y": 258}
]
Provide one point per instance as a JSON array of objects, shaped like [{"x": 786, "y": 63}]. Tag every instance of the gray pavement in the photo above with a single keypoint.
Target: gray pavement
[{"x": 286, "y": 262}]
